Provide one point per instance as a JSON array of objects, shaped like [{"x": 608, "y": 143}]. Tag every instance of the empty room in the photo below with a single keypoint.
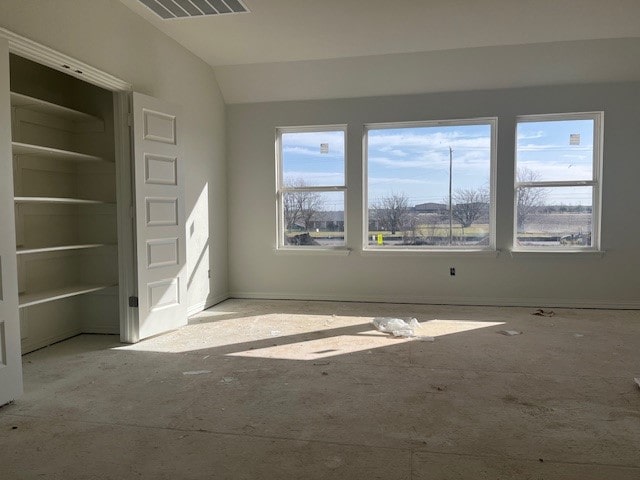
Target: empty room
[{"x": 297, "y": 239}]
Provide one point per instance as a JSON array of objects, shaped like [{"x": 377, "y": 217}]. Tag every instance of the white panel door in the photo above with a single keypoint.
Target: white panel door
[
  {"x": 10, "y": 360},
  {"x": 160, "y": 216}
]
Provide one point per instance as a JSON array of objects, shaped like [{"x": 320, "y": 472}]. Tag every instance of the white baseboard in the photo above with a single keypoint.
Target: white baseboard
[
  {"x": 29, "y": 344},
  {"x": 480, "y": 301},
  {"x": 102, "y": 329},
  {"x": 210, "y": 301}
]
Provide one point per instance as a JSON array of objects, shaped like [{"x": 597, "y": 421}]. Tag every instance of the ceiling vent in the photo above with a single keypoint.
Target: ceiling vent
[{"x": 168, "y": 9}]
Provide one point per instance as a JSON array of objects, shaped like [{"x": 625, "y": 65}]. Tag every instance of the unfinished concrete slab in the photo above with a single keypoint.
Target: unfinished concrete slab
[{"x": 289, "y": 389}]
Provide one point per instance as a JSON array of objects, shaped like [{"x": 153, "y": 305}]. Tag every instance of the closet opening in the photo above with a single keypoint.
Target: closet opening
[{"x": 68, "y": 186}]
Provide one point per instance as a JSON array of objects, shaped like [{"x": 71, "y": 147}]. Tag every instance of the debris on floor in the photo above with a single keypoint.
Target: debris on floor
[
  {"x": 397, "y": 327},
  {"x": 544, "y": 313},
  {"x": 637, "y": 380},
  {"x": 196, "y": 372},
  {"x": 509, "y": 333},
  {"x": 425, "y": 338},
  {"x": 578, "y": 335},
  {"x": 275, "y": 333},
  {"x": 228, "y": 380}
]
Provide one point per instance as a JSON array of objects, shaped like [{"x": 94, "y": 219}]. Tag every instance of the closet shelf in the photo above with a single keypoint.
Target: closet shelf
[
  {"x": 26, "y": 102},
  {"x": 60, "y": 248},
  {"x": 54, "y": 153},
  {"x": 69, "y": 201},
  {"x": 29, "y": 299}
]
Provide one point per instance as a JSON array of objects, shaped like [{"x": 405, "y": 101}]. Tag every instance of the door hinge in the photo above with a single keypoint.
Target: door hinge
[
  {"x": 133, "y": 302},
  {"x": 130, "y": 119}
]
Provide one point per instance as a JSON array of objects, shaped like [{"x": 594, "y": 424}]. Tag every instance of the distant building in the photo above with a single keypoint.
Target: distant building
[
  {"x": 431, "y": 207},
  {"x": 331, "y": 221}
]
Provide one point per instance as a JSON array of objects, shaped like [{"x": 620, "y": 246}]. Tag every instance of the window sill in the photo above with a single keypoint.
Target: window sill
[
  {"x": 556, "y": 252},
  {"x": 430, "y": 252},
  {"x": 313, "y": 251}
]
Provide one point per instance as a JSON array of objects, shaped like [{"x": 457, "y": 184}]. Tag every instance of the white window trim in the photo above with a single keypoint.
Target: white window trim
[
  {"x": 595, "y": 183},
  {"x": 281, "y": 247},
  {"x": 463, "y": 250}
]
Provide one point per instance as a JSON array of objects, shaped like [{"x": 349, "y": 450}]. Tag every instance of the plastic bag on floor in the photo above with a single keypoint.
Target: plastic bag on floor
[{"x": 396, "y": 326}]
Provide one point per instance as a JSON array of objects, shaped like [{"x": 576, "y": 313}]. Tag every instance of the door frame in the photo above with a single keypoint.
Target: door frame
[{"x": 122, "y": 92}]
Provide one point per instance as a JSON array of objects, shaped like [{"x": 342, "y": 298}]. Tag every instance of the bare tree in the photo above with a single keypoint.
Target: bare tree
[
  {"x": 411, "y": 228},
  {"x": 391, "y": 212},
  {"x": 529, "y": 199},
  {"x": 469, "y": 204},
  {"x": 301, "y": 207}
]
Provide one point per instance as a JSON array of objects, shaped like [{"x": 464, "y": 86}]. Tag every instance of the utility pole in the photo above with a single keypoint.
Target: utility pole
[{"x": 450, "y": 205}]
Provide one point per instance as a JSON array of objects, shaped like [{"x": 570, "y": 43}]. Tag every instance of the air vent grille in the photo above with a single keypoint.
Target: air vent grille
[{"x": 168, "y": 9}]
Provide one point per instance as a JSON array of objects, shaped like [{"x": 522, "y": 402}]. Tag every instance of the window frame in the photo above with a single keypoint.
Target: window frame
[
  {"x": 493, "y": 156},
  {"x": 595, "y": 183},
  {"x": 281, "y": 189}
]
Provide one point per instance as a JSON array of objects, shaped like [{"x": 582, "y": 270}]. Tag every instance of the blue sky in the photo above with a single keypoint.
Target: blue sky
[
  {"x": 545, "y": 148},
  {"x": 415, "y": 161}
]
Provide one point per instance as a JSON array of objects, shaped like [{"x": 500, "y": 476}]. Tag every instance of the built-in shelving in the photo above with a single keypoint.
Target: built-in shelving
[
  {"x": 64, "y": 175},
  {"x": 26, "y": 102},
  {"x": 29, "y": 299},
  {"x": 57, "y": 200},
  {"x": 53, "y": 153},
  {"x": 61, "y": 248}
]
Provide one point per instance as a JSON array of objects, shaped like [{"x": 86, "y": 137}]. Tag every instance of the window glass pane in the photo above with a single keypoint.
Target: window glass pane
[
  {"x": 313, "y": 159},
  {"x": 409, "y": 173},
  {"x": 313, "y": 218},
  {"x": 554, "y": 216},
  {"x": 555, "y": 150}
]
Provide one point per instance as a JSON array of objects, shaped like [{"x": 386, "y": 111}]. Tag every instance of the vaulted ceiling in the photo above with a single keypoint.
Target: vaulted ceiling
[{"x": 281, "y": 40}]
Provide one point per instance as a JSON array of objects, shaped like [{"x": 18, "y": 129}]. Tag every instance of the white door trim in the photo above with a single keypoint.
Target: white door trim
[{"x": 43, "y": 55}]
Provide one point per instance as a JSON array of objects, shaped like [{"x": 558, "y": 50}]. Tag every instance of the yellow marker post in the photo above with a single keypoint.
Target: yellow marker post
[{"x": 379, "y": 239}]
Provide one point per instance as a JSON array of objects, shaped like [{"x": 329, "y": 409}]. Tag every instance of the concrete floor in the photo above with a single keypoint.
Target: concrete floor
[{"x": 307, "y": 390}]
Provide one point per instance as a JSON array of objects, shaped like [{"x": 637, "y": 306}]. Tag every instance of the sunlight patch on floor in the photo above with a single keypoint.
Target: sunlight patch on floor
[
  {"x": 208, "y": 332},
  {"x": 288, "y": 331},
  {"x": 368, "y": 340}
]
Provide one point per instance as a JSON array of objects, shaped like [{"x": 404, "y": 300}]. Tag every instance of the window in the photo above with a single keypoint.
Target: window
[
  {"x": 429, "y": 185},
  {"x": 557, "y": 184},
  {"x": 311, "y": 187}
]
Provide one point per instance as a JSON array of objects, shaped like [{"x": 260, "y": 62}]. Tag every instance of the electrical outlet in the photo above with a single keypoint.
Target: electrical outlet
[{"x": 452, "y": 271}]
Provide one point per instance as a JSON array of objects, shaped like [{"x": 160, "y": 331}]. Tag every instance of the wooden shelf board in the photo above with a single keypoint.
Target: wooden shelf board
[
  {"x": 70, "y": 201},
  {"x": 19, "y": 100},
  {"x": 29, "y": 299},
  {"x": 60, "y": 248},
  {"x": 54, "y": 153}
]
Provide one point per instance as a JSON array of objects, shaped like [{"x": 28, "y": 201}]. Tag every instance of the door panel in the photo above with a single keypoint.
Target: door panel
[
  {"x": 160, "y": 216},
  {"x": 10, "y": 360}
]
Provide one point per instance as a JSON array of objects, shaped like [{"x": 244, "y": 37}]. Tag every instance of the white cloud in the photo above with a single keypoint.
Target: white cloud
[
  {"x": 315, "y": 178},
  {"x": 439, "y": 140},
  {"x": 532, "y": 147},
  {"x": 399, "y": 181},
  {"x": 433, "y": 160},
  {"x": 310, "y": 142},
  {"x": 398, "y": 153},
  {"x": 531, "y": 135},
  {"x": 310, "y": 152},
  {"x": 559, "y": 171}
]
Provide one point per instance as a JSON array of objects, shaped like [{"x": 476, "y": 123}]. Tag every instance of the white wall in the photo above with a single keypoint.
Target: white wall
[
  {"x": 257, "y": 270},
  {"x": 512, "y": 66},
  {"x": 109, "y": 36}
]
